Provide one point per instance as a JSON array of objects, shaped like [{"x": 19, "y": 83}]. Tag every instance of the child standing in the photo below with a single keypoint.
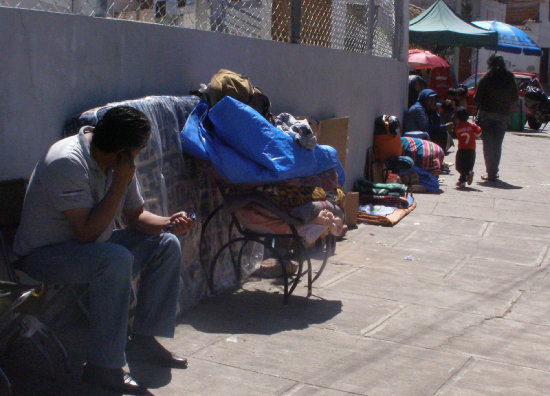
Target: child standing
[{"x": 466, "y": 133}]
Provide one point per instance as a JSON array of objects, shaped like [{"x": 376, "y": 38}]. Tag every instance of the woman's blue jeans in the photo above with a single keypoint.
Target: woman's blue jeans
[{"x": 108, "y": 268}]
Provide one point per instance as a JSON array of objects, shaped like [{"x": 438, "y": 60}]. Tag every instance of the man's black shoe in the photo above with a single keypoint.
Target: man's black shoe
[
  {"x": 148, "y": 349},
  {"x": 114, "y": 380}
]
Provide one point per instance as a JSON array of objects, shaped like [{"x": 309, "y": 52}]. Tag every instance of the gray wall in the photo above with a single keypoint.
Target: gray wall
[{"x": 53, "y": 66}]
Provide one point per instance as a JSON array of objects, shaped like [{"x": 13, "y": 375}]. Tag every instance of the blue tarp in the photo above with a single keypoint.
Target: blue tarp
[{"x": 245, "y": 148}]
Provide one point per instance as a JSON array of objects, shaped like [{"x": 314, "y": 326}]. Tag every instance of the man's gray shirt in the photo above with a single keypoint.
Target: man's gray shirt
[{"x": 67, "y": 177}]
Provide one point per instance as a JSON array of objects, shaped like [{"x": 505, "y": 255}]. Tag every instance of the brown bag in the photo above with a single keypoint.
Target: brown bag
[
  {"x": 228, "y": 83},
  {"x": 387, "y": 139}
]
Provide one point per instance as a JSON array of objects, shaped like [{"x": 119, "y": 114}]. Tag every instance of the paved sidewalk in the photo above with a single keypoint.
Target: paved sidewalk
[{"x": 453, "y": 300}]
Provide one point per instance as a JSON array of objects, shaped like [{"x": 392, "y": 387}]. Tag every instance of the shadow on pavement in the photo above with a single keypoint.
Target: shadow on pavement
[
  {"x": 500, "y": 184},
  {"x": 150, "y": 375},
  {"x": 468, "y": 189},
  {"x": 259, "y": 312}
]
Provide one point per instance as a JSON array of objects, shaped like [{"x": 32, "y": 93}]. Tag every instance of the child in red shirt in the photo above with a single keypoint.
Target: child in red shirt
[{"x": 466, "y": 133}]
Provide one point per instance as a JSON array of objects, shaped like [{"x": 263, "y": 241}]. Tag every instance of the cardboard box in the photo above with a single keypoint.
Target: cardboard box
[
  {"x": 333, "y": 132},
  {"x": 351, "y": 206}
]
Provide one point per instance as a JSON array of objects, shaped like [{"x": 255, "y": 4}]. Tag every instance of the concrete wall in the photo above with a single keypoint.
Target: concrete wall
[
  {"x": 514, "y": 62},
  {"x": 54, "y": 66}
]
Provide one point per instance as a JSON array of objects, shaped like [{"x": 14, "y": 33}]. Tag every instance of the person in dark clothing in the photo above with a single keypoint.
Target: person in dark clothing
[
  {"x": 495, "y": 96},
  {"x": 448, "y": 107},
  {"x": 416, "y": 85},
  {"x": 424, "y": 116}
]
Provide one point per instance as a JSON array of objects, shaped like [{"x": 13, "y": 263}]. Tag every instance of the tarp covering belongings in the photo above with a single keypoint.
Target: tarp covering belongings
[
  {"x": 245, "y": 148},
  {"x": 439, "y": 25}
]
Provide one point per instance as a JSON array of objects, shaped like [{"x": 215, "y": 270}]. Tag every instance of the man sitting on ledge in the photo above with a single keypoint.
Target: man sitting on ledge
[{"x": 67, "y": 235}]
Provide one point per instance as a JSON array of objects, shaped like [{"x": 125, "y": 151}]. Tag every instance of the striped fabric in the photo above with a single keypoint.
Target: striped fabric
[{"x": 425, "y": 154}]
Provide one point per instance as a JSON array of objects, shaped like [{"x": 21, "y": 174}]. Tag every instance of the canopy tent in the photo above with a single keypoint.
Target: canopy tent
[
  {"x": 439, "y": 25},
  {"x": 510, "y": 38}
]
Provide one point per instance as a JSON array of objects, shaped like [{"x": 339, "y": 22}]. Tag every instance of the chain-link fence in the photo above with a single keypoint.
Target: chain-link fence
[{"x": 366, "y": 26}]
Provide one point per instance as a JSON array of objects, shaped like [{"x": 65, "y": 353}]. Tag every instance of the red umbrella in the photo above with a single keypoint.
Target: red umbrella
[{"x": 423, "y": 59}]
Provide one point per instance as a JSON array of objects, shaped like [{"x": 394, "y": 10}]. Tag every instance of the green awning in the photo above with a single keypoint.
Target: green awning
[{"x": 439, "y": 25}]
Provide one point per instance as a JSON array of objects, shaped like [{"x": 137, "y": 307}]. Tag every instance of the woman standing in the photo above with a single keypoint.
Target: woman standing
[{"x": 496, "y": 94}]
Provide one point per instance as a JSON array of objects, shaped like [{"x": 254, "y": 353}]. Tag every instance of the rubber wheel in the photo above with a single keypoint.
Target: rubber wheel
[{"x": 533, "y": 124}]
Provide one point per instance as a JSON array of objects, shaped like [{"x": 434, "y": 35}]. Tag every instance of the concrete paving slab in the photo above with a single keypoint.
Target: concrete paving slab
[
  {"x": 485, "y": 378},
  {"x": 527, "y": 253},
  {"x": 447, "y": 224},
  {"x": 208, "y": 378},
  {"x": 359, "y": 313},
  {"x": 518, "y": 232},
  {"x": 310, "y": 390},
  {"x": 408, "y": 289},
  {"x": 440, "y": 241},
  {"x": 339, "y": 361},
  {"x": 480, "y": 276},
  {"x": 416, "y": 261},
  {"x": 530, "y": 252},
  {"x": 475, "y": 199},
  {"x": 424, "y": 326},
  {"x": 507, "y": 341},
  {"x": 532, "y": 307},
  {"x": 473, "y": 212}
]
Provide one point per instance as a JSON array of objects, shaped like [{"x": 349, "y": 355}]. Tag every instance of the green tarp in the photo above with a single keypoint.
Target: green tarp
[{"x": 439, "y": 25}]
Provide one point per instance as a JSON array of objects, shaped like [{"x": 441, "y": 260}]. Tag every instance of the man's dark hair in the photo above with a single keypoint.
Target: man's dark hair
[
  {"x": 462, "y": 114},
  {"x": 121, "y": 128}
]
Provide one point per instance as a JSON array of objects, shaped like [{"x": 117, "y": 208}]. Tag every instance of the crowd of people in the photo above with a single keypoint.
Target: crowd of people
[{"x": 441, "y": 118}]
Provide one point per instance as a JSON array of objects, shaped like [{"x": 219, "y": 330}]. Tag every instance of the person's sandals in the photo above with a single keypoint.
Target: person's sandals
[
  {"x": 460, "y": 184},
  {"x": 486, "y": 177}
]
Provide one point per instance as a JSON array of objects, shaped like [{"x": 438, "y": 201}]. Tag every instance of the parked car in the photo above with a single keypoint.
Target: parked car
[{"x": 522, "y": 80}]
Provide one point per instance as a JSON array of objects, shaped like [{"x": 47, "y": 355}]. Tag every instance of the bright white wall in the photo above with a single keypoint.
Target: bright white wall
[
  {"x": 54, "y": 66},
  {"x": 514, "y": 62}
]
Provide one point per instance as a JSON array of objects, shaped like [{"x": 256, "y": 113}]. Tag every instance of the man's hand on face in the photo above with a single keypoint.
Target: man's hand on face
[{"x": 124, "y": 168}]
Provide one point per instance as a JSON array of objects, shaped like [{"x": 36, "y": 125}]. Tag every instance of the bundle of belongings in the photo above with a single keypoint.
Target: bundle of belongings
[
  {"x": 396, "y": 153},
  {"x": 428, "y": 159},
  {"x": 256, "y": 156},
  {"x": 382, "y": 204}
]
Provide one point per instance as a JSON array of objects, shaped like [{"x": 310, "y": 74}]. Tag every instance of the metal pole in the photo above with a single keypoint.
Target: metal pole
[
  {"x": 371, "y": 24},
  {"x": 295, "y": 21},
  {"x": 477, "y": 63}
]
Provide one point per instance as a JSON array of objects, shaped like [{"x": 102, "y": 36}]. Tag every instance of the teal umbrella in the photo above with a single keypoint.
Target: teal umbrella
[{"x": 510, "y": 38}]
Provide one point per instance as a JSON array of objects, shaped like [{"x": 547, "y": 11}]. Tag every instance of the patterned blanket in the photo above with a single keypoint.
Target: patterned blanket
[{"x": 425, "y": 154}]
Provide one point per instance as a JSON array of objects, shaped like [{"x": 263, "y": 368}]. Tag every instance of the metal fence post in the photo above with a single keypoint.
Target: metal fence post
[
  {"x": 371, "y": 25},
  {"x": 295, "y": 21},
  {"x": 398, "y": 29}
]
